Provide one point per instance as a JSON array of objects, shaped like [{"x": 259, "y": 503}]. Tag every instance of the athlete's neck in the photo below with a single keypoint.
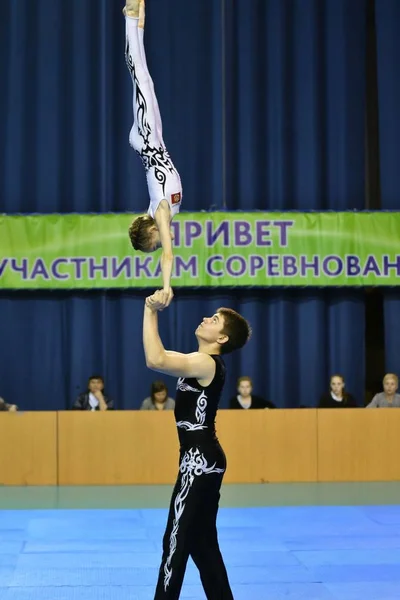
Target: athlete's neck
[{"x": 209, "y": 348}]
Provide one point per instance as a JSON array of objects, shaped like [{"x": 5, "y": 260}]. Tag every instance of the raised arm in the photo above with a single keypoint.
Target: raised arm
[
  {"x": 198, "y": 365},
  {"x": 163, "y": 221}
]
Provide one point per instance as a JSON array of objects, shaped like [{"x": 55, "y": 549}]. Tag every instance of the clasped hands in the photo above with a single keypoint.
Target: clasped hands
[{"x": 160, "y": 299}]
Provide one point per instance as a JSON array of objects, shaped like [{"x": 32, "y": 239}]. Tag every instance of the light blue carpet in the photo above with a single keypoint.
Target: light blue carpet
[{"x": 306, "y": 552}]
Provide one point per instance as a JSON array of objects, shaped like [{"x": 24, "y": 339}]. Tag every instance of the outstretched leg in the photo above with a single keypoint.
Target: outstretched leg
[
  {"x": 145, "y": 137},
  {"x": 147, "y": 125}
]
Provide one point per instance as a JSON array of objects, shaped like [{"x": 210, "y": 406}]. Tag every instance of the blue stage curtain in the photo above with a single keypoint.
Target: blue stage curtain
[
  {"x": 263, "y": 109},
  {"x": 66, "y": 106},
  {"x": 387, "y": 15},
  {"x": 295, "y": 104},
  {"x": 54, "y": 342}
]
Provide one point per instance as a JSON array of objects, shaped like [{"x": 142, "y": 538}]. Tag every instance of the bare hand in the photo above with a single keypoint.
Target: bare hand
[
  {"x": 98, "y": 394},
  {"x": 159, "y": 300},
  {"x": 168, "y": 295}
]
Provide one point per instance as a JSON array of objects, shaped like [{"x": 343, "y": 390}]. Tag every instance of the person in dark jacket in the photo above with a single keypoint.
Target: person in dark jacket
[
  {"x": 245, "y": 397},
  {"x": 337, "y": 397},
  {"x": 94, "y": 398}
]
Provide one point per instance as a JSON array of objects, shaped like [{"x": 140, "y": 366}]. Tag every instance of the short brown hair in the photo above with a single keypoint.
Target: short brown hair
[
  {"x": 139, "y": 233},
  {"x": 244, "y": 378},
  {"x": 236, "y": 328}
]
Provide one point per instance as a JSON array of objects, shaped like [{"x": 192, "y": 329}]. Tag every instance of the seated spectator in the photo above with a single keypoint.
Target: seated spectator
[
  {"x": 4, "y": 407},
  {"x": 245, "y": 397},
  {"x": 388, "y": 398},
  {"x": 158, "y": 399},
  {"x": 337, "y": 397},
  {"x": 94, "y": 398}
]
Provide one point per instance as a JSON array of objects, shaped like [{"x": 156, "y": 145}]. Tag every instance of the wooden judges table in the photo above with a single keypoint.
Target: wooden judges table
[{"x": 134, "y": 447}]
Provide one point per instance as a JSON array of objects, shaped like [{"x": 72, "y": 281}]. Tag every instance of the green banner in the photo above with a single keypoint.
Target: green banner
[{"x": 211, "y": 249}]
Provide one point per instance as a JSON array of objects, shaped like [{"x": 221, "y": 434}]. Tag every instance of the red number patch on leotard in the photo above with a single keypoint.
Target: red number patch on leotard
[{"x": 176, "y": 198}]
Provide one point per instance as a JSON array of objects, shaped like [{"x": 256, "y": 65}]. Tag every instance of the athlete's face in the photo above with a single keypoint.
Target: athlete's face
[
  {"x": 210, "y": 329},
  {"x": 156, "y": 239}
]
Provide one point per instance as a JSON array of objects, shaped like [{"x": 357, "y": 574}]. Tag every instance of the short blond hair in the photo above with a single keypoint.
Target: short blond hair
[{"x": 391, "y": 376}]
